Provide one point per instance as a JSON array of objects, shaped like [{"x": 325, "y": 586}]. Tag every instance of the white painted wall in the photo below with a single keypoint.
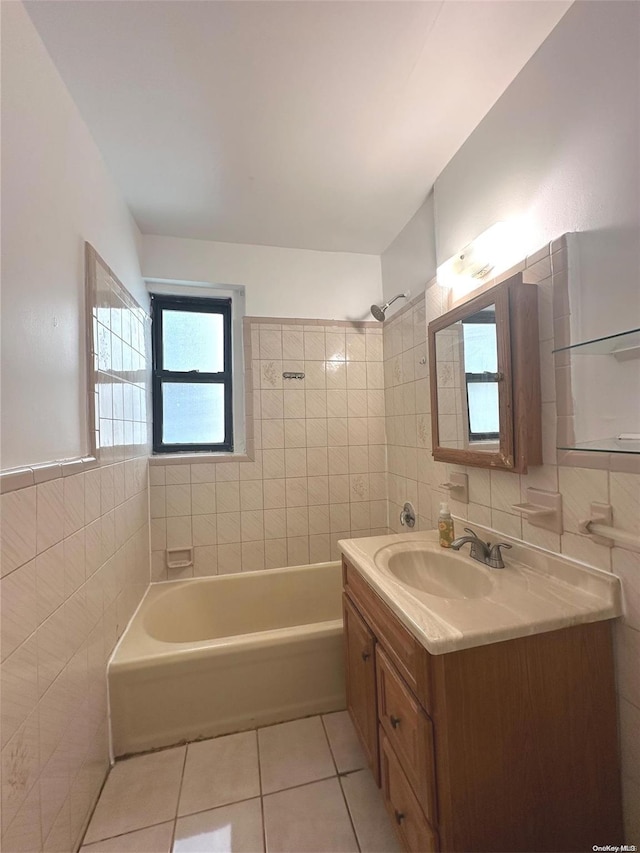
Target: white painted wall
[
  {"x": 559, "y": 151},
  {"x": 279, "y": 282},
  {"x": 56, "y": 193},
  {"x": 409, "y": 263}
]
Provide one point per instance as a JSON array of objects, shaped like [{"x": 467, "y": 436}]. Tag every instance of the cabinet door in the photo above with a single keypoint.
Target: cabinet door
[{"x": 361, "y": 682}]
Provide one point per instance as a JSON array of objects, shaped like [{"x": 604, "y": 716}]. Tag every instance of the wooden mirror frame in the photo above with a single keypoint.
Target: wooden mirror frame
[{"x": 520, "y": 441}]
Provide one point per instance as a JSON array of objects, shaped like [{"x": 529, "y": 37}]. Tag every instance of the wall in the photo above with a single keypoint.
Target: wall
[
  {"x": 74, "y": 542},
  {"x": 279, "y": 282},
  {"x": 56, "y": 193},
  {"x": 559, "y": 152},
  {"x": 409, "y": 263},
  {"x": 319, "y": 470}
]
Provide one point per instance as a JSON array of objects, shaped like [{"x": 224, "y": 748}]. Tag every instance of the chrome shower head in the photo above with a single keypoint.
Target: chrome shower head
[{"x": 379, "y": 312}]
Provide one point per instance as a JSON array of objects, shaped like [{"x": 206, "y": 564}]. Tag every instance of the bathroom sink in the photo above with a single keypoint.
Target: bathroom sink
[{"x": 428, "y": 569}]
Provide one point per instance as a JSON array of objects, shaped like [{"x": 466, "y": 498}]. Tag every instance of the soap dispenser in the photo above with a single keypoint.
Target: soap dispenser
[{"x": 445, "y": 526}]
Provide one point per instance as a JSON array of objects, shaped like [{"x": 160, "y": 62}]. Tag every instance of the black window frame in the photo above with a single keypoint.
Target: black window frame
[
  {"x": 481, "y": 318},
  {"x": 200, "y": 305}
]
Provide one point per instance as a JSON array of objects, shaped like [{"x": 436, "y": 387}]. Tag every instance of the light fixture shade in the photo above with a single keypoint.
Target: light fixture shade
[{"x": 492, "y": 252}]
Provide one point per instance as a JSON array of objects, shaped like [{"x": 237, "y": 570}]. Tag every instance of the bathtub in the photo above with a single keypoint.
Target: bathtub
[{"x": 211, "y": 656}]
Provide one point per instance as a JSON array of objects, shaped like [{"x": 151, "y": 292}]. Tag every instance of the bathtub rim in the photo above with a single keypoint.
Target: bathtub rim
[{"x": 136, "y": 645}]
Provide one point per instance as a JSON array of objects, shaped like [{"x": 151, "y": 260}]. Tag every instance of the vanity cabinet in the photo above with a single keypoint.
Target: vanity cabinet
[{"x": 510, "y": 746}]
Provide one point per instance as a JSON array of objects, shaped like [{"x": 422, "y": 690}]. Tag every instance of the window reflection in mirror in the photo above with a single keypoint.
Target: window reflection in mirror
[{"x": 467, "y": 382}]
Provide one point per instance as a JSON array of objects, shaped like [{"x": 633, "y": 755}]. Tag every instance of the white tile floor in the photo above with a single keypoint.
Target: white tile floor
[{"x": 296, "y": 787}]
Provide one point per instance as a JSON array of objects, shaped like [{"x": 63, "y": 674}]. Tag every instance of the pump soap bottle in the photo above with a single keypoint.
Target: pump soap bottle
[{"x": 445, "y": 526}]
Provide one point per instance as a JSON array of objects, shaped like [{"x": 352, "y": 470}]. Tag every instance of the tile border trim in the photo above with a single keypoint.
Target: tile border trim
[{"x": 14, "y": 479}]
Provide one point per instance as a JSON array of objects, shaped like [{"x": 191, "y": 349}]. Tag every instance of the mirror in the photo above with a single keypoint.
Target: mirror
[
  {"x": 468, "y": 382},
  {"x": 474, "y": 375}
]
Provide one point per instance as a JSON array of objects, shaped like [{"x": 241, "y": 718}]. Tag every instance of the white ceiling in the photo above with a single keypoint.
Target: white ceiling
[{"x": 318, "y": 125}]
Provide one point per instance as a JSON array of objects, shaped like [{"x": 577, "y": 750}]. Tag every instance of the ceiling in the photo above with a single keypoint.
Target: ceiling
[{"x": 317, "y": 125}]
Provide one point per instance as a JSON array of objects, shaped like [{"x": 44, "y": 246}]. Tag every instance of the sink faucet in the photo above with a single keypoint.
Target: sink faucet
[{"x": 481, "y": 551}]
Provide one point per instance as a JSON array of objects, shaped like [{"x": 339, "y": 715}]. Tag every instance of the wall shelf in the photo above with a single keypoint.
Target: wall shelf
[
  {"x": 605, "y": 445},
  {"x": 623, "y": 346}
]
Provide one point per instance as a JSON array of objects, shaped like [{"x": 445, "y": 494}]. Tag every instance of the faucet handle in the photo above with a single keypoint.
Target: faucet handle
[
  {"x": 472, "y": 532},
  {"x": 408, "y": 515},
  {"x": 495, "y": 556}
]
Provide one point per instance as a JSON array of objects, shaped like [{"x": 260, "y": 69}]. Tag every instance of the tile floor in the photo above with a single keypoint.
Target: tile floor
[{"x": 289, "y": 788}]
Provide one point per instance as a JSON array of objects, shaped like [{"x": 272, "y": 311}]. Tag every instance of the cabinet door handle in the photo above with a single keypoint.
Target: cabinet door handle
[
  {"x": 395, "y": 721},
  {"x": 366, "y": 655},
  {"x": 399, "y": 817}
]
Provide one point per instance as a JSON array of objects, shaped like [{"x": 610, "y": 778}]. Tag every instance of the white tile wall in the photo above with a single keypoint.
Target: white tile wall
[{"x": 319, "y": 469}]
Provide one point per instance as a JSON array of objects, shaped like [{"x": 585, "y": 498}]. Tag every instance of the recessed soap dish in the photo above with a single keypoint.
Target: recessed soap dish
[
  {"x": 179, "y": 558},
  {"x": 542, "y": 509}
]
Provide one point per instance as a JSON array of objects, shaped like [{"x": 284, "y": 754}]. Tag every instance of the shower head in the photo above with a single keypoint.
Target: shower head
[{"x": 379, "y": 312}]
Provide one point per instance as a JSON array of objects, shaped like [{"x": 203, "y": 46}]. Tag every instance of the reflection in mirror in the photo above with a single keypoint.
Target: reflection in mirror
[{"x": 468, "y": 382}]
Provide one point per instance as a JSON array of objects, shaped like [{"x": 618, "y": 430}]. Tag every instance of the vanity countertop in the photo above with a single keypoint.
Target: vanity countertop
[{"x": 537, "y": 591}]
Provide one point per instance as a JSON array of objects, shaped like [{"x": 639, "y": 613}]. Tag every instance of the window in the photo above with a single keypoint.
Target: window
[
  {"x": 481, "y": 377},
  {"x": 192, "y": 383}
]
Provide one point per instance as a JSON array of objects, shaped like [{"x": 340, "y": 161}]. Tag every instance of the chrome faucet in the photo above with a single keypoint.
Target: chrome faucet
[{"x": 481, "y": 551}]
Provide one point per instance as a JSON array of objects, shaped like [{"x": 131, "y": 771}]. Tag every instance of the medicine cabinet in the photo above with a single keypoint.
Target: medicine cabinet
[{"x": 484, "y": 365}]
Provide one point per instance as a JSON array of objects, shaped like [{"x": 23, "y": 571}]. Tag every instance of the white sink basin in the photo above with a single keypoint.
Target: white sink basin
[
  {"x": 450, "y": 602},
  {"x": 427, "y": 568}
]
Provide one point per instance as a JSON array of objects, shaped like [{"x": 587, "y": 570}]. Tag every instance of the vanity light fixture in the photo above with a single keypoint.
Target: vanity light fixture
[{"x": 492, "y": 252}]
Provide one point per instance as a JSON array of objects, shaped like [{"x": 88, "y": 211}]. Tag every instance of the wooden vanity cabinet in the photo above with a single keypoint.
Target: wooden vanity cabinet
[{"x": 505, "y": 747}]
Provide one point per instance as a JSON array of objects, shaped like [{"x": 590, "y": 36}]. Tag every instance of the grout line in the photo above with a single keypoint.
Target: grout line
[
  {"x": 95, "y": 806},
  {"x": 175, "y": 819},
  {"x": 350, "y": 816},
  {"x": 326, "y": 734},
  {"x": 339, "y": 775},
  {"x": 129, "y": 832},
  {"x": 216, "y": 807},
  {"x": 301, "y": 785},
  {"x": 264, "y": 828}
]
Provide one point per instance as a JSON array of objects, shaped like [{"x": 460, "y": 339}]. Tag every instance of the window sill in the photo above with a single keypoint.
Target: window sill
[{"x": 194, "y": 458}]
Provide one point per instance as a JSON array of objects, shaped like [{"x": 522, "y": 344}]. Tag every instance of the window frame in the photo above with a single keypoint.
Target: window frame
[{"x": 197, "y": 305}]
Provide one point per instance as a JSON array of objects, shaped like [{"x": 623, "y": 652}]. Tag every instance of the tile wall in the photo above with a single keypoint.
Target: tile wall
[
  {"x": 318, "y": 474},
  {"x": 74, "y": 548},
  {"x": 413, "y": 475}
]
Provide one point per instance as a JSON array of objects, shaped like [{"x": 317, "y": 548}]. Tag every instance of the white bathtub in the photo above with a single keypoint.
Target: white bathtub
[{"x": 211, "y": 656}]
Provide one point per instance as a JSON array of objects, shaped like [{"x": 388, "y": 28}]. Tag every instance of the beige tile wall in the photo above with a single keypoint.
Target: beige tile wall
[
  {"x": 319, "y": 469},
  {"x": 413, "y": 475},
  {"x": 74, "y": 550}
]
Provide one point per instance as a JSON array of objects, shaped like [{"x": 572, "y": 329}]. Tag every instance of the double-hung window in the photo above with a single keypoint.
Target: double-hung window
[{"x": 192, "y": 380}]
